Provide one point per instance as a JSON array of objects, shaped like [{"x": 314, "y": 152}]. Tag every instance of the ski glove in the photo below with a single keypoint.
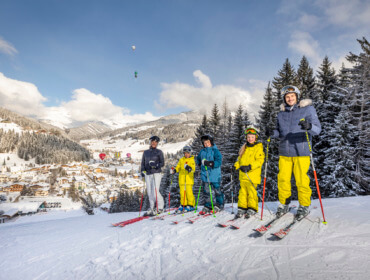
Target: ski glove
[
  {"x": 142, "y": 174},
  {"x": 245, "y": 168},
  {"x": 269, "y": 132},
  {"x": 208, "y": 163},
  {"x": 305, "y": 125},
  {"x": 153, "y": 164},
  {"x": 173, "y": 170},
  {"x": 188, "y": 168}
]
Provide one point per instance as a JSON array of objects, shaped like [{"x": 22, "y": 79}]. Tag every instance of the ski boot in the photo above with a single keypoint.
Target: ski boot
[
  {"x": 150, "y": 212},
  {"x": 250, "y": 212},
  {"x": 240, "y": 213},
  {"x": 302, "y": 212},
  {"x": 216, "y": 209},
  {"x": 180, "y": 209},
  {"x": 160, "y": 211},
  {"x": 281, "y": 210},
  {"x": 205, "y": 210},
  {"x": 188, "y": 208}
]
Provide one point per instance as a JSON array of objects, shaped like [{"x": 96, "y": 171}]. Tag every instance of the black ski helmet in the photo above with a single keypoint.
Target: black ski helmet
[
  {"x": 206, "y": 137},
  {"x": 154, "y": 138}
]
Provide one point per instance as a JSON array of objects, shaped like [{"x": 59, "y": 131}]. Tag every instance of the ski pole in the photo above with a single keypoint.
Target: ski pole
[
  {"x": 232, "y": 194},
  {"x": 314, "y": 173},
  {"x": 196, "y": 206},
  {"x": 210, "y": 191},
  {"x": 256, "y": 191},
  {"x": 264, "y": 179},
  {"x": 169, "y": 194},
  {"x": 142, "y": 195}
]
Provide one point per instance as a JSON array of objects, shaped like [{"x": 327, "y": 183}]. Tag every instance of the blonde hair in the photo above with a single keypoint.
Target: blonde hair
[{"x": 242, "y": 150}]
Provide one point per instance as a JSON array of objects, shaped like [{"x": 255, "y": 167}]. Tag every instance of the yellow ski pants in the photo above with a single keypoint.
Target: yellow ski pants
[
  {"x": 299, "y": 166},
  {"x": 247, "y": 195},
  {"x": 187, "y": 199}
]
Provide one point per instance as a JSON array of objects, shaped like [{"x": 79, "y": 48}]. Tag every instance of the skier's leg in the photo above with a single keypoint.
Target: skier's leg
[
  {"x": 150, "y": 189},
  {"x": 242, "y": 198},
  {"x": 206, "y": 195},
  {"x": 219, "y": 196},
  {"x": 158, "y": 178},
  {"x": 190, "y": 200},
  {"x": 300, "y": 169},
  {"x": 182, "y": 198},
  {"x": 252, "y": 196},
  {"x": 284, "y": 178}
]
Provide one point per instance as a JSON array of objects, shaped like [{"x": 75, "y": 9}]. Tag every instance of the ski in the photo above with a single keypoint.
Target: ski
[
  {"x": 264, "y": 228},
  {"x": 226, "y": 223},
  {"x": 284, "y": 231},
  {"x": 239, "y": 222},
  {"x": 131, "y": 221},
  {"x": 193, "y": 220},
  {"x": 184, "y": 218}
]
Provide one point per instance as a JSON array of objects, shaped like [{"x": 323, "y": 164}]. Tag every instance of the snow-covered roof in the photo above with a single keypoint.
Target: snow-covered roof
[{"x": 24, "y": 207}]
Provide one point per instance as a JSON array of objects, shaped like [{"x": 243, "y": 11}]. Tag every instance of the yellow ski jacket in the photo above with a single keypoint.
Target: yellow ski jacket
[
  {"x": 253, "y": 156},
  {"x": 180, "y": 168}
]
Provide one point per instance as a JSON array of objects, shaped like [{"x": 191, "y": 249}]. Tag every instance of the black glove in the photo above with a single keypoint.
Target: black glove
[
  {"x": 142, "y": 174},
  {"x": 153, "y": 164},
  {"x": 208, "y": 163},
  {"x": 269, "y": 132},
  {"x": 245, "y": 168},
  {"x": 305, "y": 125},
  {"x": 188, "y": 168}
]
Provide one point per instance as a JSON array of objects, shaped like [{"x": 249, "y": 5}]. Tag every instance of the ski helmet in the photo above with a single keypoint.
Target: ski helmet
[
  {"x": 206, "y": 137},
  {"x": 251, "y": 130},
  {"x": 186, "y": 149},
  {"x": 154, "y": 138},
  {"x": 289, "y": 89}
]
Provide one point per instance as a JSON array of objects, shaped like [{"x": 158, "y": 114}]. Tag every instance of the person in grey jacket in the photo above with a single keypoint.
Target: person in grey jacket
[
  {"x": 293, "y": 120},
  {"x": 151, "y": 168}
]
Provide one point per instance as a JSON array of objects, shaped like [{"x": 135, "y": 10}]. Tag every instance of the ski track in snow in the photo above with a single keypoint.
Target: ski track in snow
[{"x": 87, "y": 247}]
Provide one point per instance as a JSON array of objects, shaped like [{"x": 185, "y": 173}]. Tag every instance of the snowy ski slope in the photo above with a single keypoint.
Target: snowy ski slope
[{"x": 72, "y": 245}]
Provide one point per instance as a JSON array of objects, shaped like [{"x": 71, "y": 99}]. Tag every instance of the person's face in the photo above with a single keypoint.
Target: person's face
[
  {"x": 251, "y": 138},
  {"x": 291, "y": 98},
  {"x": 186, "y": 155},
  {"x": 154, "y": 144},
  {"x": 207, "y": 143}
]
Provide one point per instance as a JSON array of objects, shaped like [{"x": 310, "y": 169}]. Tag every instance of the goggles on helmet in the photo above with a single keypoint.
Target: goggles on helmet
[
  {"x": 186, "y": 149},
  {"x": 250, "y": 130},
  {"x": 289, "y": 89}
]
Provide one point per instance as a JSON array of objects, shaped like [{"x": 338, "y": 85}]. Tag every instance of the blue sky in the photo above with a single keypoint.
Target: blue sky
[{"x": 72, "y": 55}]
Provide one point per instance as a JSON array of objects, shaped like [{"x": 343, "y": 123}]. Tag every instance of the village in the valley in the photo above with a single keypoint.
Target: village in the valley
[{"x": 35, "y": 189}]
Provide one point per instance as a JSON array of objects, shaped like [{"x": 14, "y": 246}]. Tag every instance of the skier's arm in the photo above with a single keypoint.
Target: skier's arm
[
  {"x": 218, "y": 158},
  {"x": 161, "y": 159},
  {"x": 178, "y": 166},
  {"x": 143, "y": 162},
  {"x": 259, "y": 158},
  {"x": 237, "y": 164},
  {"x": 199, "y": 160},
  {"x": 191, "y": 163},
  {"x": 314, "y": 120}
]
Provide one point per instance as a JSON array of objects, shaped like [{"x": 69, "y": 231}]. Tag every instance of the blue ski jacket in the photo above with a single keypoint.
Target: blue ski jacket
[
  {"x": 293, "y": 140},
  {"x": 211, "y": 154}
]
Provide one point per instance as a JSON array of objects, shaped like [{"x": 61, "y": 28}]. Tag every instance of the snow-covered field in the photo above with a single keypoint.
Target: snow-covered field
[
  {"x": 73, "y": 245},
  {"x": 135, "y": 147}
]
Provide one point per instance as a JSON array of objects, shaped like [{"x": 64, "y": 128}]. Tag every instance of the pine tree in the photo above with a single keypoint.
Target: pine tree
[
  {"x": 360, "y": 107},
  {"x": 306, "y": 79},
  {"x": 215, "y": 122},
  {"x": 202, "y": 129}
]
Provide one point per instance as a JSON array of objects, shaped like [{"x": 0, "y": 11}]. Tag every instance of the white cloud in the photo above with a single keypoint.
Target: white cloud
[
  {"x": 84, "y": 106},
  {"x": 205, "y": 96},
  {"x": 354, "y": 13},
  {"x": 21, "y": 97},
  {"x": 7, "y": 48},
  {"x": 304, "y": 44},
  {"x": 337, "y": 63}
]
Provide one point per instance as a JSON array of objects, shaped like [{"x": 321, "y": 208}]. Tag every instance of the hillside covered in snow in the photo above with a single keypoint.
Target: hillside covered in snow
[{"x": 73, "y": 245}]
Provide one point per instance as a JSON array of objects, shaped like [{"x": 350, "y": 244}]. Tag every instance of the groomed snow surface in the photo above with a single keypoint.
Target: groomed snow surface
[{"x": 73, "y": 245}]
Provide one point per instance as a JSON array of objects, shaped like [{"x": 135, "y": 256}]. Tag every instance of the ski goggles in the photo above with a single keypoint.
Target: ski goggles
[
  {"x": 250, "y": 131},
  {"x": 289, "y": 89},
  {"x": 186, "y": 150}
]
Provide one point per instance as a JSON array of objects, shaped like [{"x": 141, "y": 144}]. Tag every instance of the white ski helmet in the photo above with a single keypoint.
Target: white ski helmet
[{"x": 289, "y": 89}]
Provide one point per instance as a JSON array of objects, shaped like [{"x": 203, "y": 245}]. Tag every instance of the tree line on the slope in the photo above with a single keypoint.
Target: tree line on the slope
[
  {"x": 45, "y": 148},
  {"x": 341, "y": 152}
]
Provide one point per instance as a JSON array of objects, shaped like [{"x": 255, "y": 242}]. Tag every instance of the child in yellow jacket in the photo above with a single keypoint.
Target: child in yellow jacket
[
  {"x": 186, "y": 167},
  {"x": 249, "y": 163}
]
